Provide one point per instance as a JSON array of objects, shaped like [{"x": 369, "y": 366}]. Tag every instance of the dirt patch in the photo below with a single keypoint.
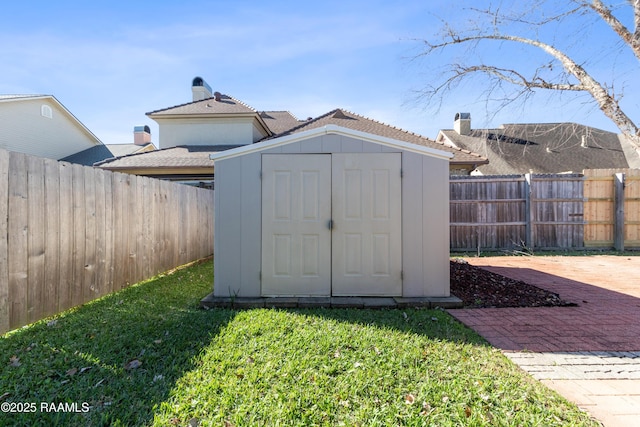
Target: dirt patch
[{"x": 477, "y": 288}]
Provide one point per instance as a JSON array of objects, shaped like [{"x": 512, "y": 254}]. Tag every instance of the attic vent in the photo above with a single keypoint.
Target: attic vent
[
  {"x": 46, "y": 111},
  {"x": 509, "y": 139},
  {"x": 339, "y": 114}
]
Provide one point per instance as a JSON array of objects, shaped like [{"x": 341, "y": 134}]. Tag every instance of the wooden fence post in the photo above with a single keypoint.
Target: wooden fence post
[
  {"x": 528, "y": 211},
  {"x": 618, "y": 203}
]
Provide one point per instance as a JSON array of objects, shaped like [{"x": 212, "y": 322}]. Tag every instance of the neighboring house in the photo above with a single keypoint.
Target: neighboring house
[
  {"x": 40, "y": 125},
  {"x": 141, "y": 143},
  {"x": 539, "y": 147},
  {"x": 214, "y": 122}
]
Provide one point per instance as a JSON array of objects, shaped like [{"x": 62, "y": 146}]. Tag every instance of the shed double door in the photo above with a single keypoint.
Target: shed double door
[{"x": 331, "y": 224}]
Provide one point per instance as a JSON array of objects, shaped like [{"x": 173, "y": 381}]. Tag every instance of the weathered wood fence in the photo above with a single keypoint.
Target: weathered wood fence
[
  {"x": 561, "y": 211},
  {"x": 76, "y": 233}
]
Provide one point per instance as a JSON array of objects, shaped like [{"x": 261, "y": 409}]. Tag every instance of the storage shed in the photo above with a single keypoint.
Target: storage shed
[{"x": 331, "y": 212}]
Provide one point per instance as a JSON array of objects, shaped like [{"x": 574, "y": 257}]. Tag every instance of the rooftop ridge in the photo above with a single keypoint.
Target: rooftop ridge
[{"x": 237, "y": 101}]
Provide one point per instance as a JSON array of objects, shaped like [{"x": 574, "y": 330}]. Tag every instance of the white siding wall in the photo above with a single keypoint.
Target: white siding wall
[
  {"x": 25, "y": 130},
  {"x": 231, "y": 131},
  {"x": 425, "y": 217}
]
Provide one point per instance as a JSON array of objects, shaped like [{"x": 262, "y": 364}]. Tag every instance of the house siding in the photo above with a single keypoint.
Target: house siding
[
  {"x": 190, "y": 131},
  {"x": 23, "y": 129}
]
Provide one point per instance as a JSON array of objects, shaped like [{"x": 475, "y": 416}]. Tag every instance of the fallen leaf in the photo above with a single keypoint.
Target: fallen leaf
[
  {"x": 194, "y": 422},
  {"x": 228, "y": 424},
  {"x": 157, "y": 342},
  {"x": 409, "y": 399},
  {"x": 83, "y": 370},
  {"x": 98, "y": 383},
  {"x": 14, "y": 361},
  {"x": 467, "y": 411},
  {"x": 133, "y": 364},
  {"x": 4, "y": 396},
  {"x": 71, "y": 372},
  {"x": 158, "y": 378},
  {"x": 336, "y": 354}
]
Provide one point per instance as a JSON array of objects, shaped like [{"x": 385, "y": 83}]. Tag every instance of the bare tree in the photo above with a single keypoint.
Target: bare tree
[{"x": 561, "y": 70}]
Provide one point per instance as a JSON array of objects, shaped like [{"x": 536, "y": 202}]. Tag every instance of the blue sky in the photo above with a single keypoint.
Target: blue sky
[{"x": 110, "y": 62}]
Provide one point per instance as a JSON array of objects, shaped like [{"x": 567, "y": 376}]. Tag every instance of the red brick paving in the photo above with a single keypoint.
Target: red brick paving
[{"x": 606, "y": 289}]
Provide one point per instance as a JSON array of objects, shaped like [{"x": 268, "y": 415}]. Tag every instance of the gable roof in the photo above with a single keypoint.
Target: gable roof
[
  {"x": 330, "y": 129},
  {"x": 542, "y": 148},
  {"x": 349, "y": 120}
]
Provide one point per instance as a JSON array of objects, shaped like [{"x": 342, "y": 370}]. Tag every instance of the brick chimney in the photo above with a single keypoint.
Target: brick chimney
[
  {"x": 141, "y": 135},
  {"x": 462, "y": 123}
]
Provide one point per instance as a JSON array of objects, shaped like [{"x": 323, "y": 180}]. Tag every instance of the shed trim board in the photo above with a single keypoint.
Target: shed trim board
[{"x": 412, "y": 258}]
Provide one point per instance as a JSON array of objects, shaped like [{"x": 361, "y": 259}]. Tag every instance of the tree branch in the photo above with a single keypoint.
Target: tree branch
[
  {"x": 632, "y": 39},
  {"x": 606, "y": 101}
]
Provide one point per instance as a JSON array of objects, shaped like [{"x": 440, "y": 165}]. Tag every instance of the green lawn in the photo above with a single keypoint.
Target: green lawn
[{"x": 149, "y": 356}]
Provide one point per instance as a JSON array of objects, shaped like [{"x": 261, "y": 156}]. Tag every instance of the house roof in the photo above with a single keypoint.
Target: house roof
[
  {"x": 89, "y": 156},
  {"x": 174, "y": 157},
  {"x": 209, "y": 106},
  {"x": 542, "y": 148},
  {"x": 279, "y": 121},
  {"x": 124, "y": 149},
  {"x": 278, "y": 124},
  {"x": 349, "y": 120}
]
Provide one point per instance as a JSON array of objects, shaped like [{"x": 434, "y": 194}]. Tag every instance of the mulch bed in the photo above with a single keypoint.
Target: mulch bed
[{"x": 478, "y": 288}]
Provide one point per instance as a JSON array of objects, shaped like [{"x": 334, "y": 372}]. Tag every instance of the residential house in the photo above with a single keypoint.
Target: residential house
[
  {"x": 214, "y": 122},
  {"x": 40, "y": 125},
  {"x": 539, "y": 147}
]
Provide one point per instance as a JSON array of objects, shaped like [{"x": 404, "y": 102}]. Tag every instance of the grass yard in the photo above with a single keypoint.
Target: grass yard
[{"x": 149, "y": 356}]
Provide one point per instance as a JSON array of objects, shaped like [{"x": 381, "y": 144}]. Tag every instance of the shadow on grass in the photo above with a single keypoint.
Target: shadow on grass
[{"x": 120, "y": 355}]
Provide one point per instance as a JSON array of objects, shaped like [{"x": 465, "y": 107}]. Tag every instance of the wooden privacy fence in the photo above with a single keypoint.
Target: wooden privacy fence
[
  {"x": 560, "y": 211},
  {"x": 76, "y": 233},
  {"x": 612, "y": 208}
]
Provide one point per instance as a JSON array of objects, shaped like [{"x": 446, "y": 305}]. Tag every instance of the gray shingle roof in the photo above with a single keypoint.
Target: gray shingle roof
[
  {"x": 279, "y": 121},
  {"x": 89, "y": 156},
  {"x": 227, "y": 105},
  {"x": 181, "y": 156},
  {"x": 542, "y": 148},
  {"x": 357, "y": 122}
]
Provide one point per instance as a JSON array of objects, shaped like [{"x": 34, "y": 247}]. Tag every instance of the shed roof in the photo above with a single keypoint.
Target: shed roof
[
  {"x": 331, "y": 129},
  {"x": 349, "y": 120}
]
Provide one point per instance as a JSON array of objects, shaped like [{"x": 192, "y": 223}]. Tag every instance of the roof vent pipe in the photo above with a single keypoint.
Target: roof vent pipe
[
  {"x": 218, "y": 96},
  {"x": 584, "y": 143}
]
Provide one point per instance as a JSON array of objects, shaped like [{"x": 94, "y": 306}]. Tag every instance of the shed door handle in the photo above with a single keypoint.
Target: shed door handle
[{"x": 330, "y": 224}]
